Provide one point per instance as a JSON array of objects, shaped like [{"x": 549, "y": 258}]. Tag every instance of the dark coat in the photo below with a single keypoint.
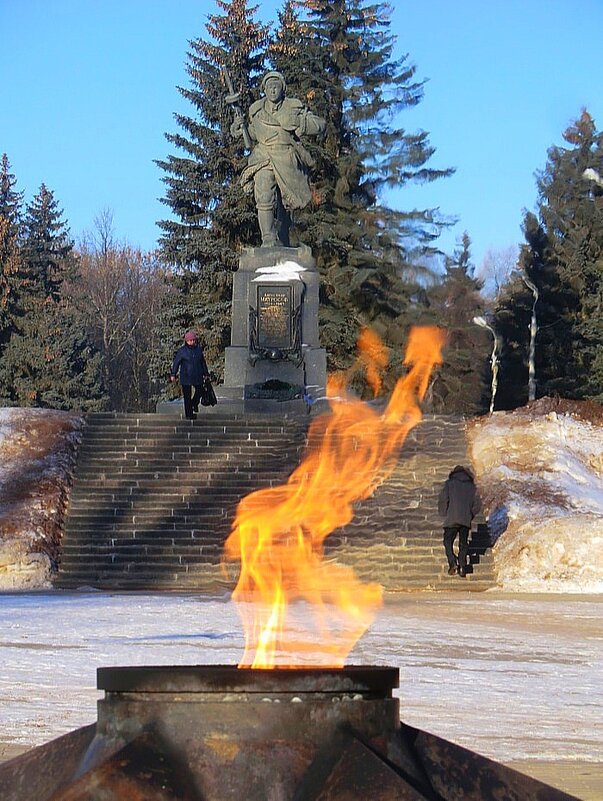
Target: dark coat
[
  {"x": 191, "y": 363},
  {"x": 458, "y": 502}
]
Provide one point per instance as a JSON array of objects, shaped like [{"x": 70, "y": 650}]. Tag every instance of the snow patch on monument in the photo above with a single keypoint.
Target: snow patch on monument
[{"x": 285, "y": 271}]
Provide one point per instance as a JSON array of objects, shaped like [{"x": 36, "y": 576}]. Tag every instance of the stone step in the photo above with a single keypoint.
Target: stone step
[
  {"x": 199, "y": 564},
  {"x": 177, "y": 583},
  {"x": 160, "y": 542},
  {"x": 169, "y": 461},
  {"x": 182, "y": 469},
  {"x": 202, "y": 450},
  {"x": 157, "y": 421},
  {"x": 177, "y": 493},
  {"x": 154, "y": 543},
  {"x": 159, "y": 427},
  {"x": 211, "y": 581},
  {"x": 180, "y": 476},
  {"x": 149, "y": 541},
  {"x": 184, "y": 511},
  {"x": 98, "y": 557},
  {"x": 199, "y": 499},
  {"x": 141, "y": 560},
  {"x": 150, "y": 536},
  {"x": 136, "y": 436},
  {"x": 176, "y": 474}
]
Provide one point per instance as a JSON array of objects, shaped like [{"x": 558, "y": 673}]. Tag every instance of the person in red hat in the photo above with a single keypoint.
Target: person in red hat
[{"x": 190, "y": 362}]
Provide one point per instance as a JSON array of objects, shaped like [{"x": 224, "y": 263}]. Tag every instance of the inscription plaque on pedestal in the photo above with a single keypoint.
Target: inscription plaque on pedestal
[
  {"x": 274, "y": 314},
  {"x": 275, "y": 348}
]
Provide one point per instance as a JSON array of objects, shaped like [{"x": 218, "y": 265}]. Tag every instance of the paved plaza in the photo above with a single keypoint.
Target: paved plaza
[{"x": 516, "y": 678}]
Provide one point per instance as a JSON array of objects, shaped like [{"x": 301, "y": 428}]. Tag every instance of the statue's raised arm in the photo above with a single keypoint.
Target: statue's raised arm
[{"x": 278, "y": 165}]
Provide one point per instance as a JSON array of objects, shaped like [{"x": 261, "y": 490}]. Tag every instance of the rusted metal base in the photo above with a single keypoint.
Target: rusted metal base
[{"x": 219, "y": 733}]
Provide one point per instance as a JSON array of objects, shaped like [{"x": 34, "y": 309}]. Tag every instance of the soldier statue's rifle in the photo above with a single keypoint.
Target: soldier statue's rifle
[{"x": 232, "y": 99}]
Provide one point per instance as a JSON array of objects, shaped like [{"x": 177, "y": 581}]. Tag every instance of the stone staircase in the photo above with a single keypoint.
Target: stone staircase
[
  {"x": 154, "y": 497},
  {"x": 396, "y": 534}
]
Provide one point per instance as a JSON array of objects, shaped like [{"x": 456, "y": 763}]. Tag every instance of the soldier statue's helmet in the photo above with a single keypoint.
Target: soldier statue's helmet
[{"x": 273, "y": 74}]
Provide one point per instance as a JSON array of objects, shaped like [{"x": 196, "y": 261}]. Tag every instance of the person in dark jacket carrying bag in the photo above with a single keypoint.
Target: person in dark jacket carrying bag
[
  {"x": 190, "y": 361},
  {"x": 458, "y": 503}
]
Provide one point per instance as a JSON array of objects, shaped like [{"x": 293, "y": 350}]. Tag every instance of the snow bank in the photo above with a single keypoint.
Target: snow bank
[
  {"x": 540, "y": 472},
  {"x": 37, "y": 449}
]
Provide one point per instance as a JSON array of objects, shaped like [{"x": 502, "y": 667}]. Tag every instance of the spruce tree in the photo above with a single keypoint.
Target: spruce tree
[
  {"x": 461, "y": 384},
  {"x": 46, "y": 251},
  {"x": 212, "y": 218},
  {"x": 49, "y": 360},
  {"x": 571, "y": 208},
  {"x": 512, "y": 321},
  {"x": 10, "y": 221},
  {"x": 563, "y": 257},
  {"x": 337, "y": 57}
]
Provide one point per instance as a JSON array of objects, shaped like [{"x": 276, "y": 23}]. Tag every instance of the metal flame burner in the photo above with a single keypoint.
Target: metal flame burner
[
  {"x": 371, "y": 682},
  {"x": 246, "y": 733},
  {"x": 217, "y": 733}
]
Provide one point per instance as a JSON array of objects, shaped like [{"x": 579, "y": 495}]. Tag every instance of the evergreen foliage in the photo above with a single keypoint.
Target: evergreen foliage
[
  {"x": 336, "y": 55},
  {"x": 10, "y": 221},
  {"x": 571, "y": 210},
  {"x": 213, "y": 217},
  {"x": 46, "y": 251},
  {"x": 563, "y": 257},
  {"x": 512, "y": 322},
  {"x": 10, "y": 199},
  {"x": 48, "y": 360},
  {"x": 460, "y": 385}
]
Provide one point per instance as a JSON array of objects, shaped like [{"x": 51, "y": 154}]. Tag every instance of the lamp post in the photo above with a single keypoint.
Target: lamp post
[
  {"x": 481, "y": 321},
  {"x": 533, "y": 331},
  {"x": 591, "y": 174}
]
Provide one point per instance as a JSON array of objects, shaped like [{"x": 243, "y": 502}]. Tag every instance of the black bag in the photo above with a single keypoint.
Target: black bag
[{"x": 208, "y": 396}]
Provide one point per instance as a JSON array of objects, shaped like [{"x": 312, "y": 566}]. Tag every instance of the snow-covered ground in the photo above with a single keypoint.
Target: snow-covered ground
[
  {"x": 540, "y": 473},
  {"x": 37, "y": 452},
  {"x": 512, "y": 677}
]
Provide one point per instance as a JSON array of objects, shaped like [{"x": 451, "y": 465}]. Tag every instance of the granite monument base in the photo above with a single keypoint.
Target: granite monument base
[{"x": 274, "y": 362}]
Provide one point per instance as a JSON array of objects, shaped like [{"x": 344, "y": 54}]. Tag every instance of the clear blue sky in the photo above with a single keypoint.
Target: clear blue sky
[{"x": 89, "y": 89}]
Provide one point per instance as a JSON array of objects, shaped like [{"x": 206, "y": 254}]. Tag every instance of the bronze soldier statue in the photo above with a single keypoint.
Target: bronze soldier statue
[{"x": 278, "y": 165}]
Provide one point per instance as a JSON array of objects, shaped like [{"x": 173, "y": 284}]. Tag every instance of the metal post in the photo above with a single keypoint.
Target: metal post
[
  {"x": 481, "y": 321},
  {"x": 533, "y": 332}
]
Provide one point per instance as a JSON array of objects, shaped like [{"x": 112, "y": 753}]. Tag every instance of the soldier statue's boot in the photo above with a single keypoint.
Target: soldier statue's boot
[{"x": 267, "y": 227}]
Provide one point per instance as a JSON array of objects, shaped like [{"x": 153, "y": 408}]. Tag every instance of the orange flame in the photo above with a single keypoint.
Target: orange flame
[
  {"x": 278, "y": 533},
  {"x": 373, "y": 357}
]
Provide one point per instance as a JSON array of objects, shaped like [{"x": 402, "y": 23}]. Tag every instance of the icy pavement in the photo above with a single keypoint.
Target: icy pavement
[{"x": 512, "y": 677}]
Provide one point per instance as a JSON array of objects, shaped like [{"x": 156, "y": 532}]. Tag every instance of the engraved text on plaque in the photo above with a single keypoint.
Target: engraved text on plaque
[{"x": 274, "y": 316}]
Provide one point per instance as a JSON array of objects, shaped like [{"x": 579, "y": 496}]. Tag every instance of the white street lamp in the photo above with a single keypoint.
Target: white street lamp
[
  {"x": 592, "y": 175},
  {"x": 533, "y": 331},
  {"x": 481, "y": 321}
]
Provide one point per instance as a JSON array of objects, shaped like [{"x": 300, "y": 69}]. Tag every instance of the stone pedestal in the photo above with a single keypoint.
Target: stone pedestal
[{"x": 275, "y": 348}]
